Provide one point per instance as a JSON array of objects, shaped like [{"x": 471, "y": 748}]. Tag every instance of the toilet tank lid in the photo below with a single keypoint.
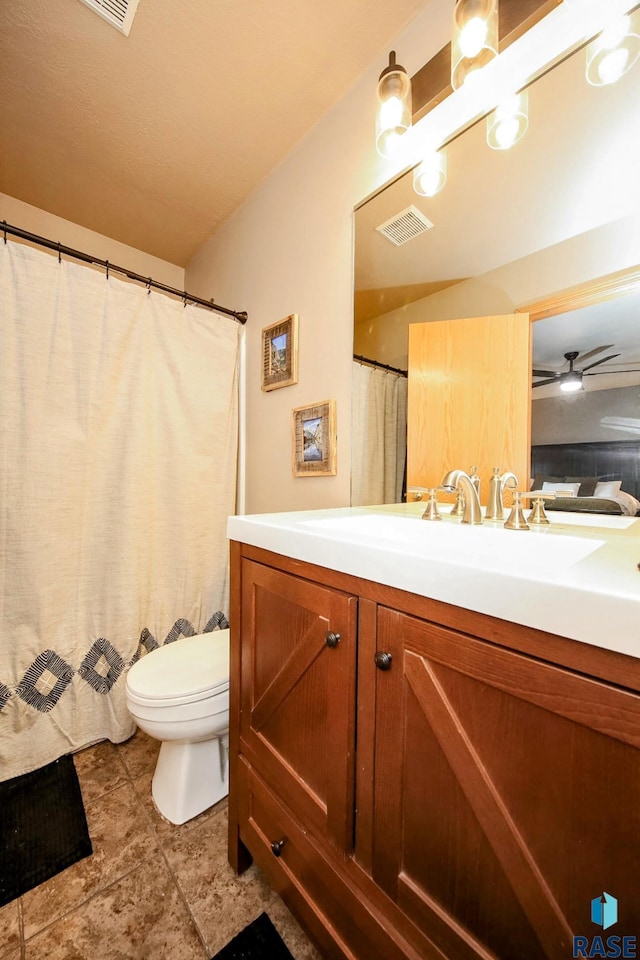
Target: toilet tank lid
[{"x": 186, "y": 667}]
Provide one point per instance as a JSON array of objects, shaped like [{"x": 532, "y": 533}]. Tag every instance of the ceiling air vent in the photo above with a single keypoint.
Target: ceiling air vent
[
  {"x": 119, "y": 13},
  {"x": 405, "y": 226}
]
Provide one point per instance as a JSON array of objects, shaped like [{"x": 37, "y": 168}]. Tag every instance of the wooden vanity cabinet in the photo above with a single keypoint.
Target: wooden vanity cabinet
[{"x": 465, "y": 796}]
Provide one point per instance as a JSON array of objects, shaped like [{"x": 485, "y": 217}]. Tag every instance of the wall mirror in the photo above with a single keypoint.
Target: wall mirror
[{"x": 514, "y": 229}]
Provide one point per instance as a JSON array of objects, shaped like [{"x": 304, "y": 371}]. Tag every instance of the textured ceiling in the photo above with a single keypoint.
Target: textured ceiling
[{"x": 156, "y": 138}]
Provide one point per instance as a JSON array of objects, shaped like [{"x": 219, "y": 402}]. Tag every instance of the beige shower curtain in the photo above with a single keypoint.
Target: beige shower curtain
[
  {"x": 379, "y": 435},
  {"x": 118, "y": 446}
]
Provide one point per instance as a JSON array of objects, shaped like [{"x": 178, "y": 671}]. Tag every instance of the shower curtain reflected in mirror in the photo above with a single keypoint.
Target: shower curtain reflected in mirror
[
  {"x": 379, "y": 435},
  {"x": 118, "y": 439}
]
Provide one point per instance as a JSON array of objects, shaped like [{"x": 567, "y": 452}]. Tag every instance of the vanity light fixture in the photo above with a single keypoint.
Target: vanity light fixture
[
  {"x": 509, "y": 121},
  {"x": 439, "y": 116},
  {"x": 430, "y": 176},
  {"x": 614, "y": 51},
  {"x": 394, "y": 107},
  {"x": 475, "y": 38}
]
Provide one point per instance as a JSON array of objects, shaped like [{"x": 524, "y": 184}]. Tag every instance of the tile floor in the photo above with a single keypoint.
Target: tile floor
[{"x": 151, "y": 890}]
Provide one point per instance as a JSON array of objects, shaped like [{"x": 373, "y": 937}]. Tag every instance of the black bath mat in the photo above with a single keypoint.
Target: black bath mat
[
  {"x": 43, "y": 828},
  {"x": 258, "y": 941}
]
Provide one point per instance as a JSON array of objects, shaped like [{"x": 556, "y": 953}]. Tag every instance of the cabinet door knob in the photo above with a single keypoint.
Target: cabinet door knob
[
  {"x": 276, "y": 847},
  {"x": 332, "y": 639},
  {"x": 382, "y": 660}
]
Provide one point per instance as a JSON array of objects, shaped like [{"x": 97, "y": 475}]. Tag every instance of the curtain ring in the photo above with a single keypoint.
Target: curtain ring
[
  {"x": 4, "y": 230},
  {"x": 59, "y": 253},
  {"x": 184, "y": 298},
  {"x": 149, "y": 282},
  {"x": 106, "y": 264}
]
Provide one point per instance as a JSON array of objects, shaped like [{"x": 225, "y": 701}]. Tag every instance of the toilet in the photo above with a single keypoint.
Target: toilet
[{"x": 179, "y": 694}]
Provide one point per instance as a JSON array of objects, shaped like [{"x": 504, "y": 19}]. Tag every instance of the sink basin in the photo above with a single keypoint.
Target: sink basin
[{"x": 534, "y": 552}]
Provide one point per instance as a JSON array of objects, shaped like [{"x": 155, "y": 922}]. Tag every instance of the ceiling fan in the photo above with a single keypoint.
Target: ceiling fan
[{"x": 571, "y": 379}]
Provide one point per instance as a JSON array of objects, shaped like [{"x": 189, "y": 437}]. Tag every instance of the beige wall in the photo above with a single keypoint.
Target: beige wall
[
  {"x": 34, "y": 220},
  {"x": 588, "y": 416},
  {"x": 289, "y": 249},
  {"x": 607, "y": 249}
]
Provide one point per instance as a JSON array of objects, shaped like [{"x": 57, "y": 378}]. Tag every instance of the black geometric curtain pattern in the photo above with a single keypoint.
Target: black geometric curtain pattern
[{"x": 48, "y": 677}]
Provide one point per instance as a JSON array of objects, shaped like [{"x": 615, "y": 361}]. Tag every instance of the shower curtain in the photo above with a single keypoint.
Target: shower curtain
[
  {"x": 379, "y": 435},
  {"x": 118, "y": 446}
]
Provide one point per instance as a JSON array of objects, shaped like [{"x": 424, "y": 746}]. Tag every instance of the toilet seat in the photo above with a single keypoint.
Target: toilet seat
[{"x": 186, "y": 671}]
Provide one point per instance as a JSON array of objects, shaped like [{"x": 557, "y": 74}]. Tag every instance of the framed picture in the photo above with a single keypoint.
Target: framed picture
[
  {"x": 280, "y": 353},
  {"x": 314, "y": 440}
]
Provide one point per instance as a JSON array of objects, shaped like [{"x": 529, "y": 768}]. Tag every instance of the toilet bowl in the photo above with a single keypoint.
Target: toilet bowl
[{"x": 179, "y": 694}]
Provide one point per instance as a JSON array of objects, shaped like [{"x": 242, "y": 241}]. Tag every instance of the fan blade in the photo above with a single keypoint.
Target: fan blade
[
  {"x": 611, "y": 356},
  {"x": 611, "y": 373},
  {"x": 541, "y": 383},
  {"x": 546, "y": 373},
  {"x": 592, "y": 353}
]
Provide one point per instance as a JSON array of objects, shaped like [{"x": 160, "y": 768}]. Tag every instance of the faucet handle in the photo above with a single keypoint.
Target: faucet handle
[
  {"x": 538, "y": 515},
  {"x": 431, "y": 510},
  {"x": 516, "y": 520}
]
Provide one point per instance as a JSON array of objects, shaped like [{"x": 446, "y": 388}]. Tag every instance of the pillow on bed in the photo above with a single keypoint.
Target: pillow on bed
[
  {"x": 587, "y": 485},
  {"x": 608, "y": 488},
  {"x": 566, "y": 488},
  {"x": 538, "y": 481}
]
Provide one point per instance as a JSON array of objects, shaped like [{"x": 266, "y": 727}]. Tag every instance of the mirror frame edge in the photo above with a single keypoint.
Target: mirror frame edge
[{"x": 608, "y": 287}]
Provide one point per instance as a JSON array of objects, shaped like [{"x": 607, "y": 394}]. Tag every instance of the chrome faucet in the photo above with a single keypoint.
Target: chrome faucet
[{"x": 459, "y": 480}]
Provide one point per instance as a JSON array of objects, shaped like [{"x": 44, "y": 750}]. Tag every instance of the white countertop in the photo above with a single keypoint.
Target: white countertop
[{"x": 577, "y": 577}]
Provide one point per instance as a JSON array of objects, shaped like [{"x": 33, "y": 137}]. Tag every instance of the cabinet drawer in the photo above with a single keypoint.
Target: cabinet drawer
[
  {"x": 297, "y": 872},
  {"x": 314, "y": 884}
]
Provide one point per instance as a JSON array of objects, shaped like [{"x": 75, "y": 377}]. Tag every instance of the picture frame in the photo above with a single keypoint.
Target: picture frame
[
  {"x": 280, "y": 353},
  {"x": 313, "y": 430}
]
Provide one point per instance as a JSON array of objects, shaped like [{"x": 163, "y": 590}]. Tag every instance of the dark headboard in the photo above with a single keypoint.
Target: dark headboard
[{"x": 607, "y": 459}]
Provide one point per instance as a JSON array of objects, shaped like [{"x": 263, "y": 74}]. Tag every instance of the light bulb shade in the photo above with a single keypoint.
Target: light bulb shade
[
  {"x": 572, "y": 383},
  {"x": 430, "y": 176},
  {"x": 509, "y": 121},
  {"x": 393, "y": 117},
  {"x": 475, "y": 37},
  {"x": 614, "y": 51}
]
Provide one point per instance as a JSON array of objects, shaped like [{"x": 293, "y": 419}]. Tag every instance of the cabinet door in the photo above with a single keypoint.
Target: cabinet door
[
  {"x": 298, "y": 695},
  {"x": 506, "y": 795}
]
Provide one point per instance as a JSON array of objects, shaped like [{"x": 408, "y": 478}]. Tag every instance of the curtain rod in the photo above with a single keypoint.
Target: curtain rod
[
  {"x": 60, "y": 248},
  {"x": 384, "y": 366}
]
